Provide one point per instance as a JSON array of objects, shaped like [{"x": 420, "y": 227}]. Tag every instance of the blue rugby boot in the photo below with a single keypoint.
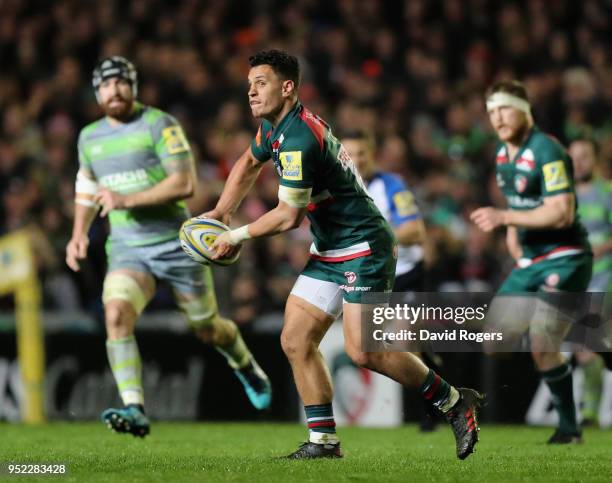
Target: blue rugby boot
[
  {"x": 256, "y": 384},
  {"x": 127, "y": 420}
]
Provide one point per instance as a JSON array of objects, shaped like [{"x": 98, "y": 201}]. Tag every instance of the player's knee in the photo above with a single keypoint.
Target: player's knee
[
  {"x": 539, "y": 358},
  {"x": 361, "y": 358},
  {"x": 297, "y": 344},
  {"x": 118, "y": 319},
  {"x": 205, "y": 334},
  {"x": 214, "y": 329},
  {"x": 121, "y": 293},
  {"x": 546, "y": 360},
  {"x": 292, "y": 347}
]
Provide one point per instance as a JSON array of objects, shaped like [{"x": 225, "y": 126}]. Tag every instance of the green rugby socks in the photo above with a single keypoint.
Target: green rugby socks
[
  {"x": 124, "y": 359},
  {"x": 559, "y": 381},
  {"x": 439, "y": 392},
  {"x": 321, "y": 424},
  {"x": 237, "y": 353}
]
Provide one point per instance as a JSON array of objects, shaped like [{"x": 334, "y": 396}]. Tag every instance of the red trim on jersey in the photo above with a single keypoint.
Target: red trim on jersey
[
  {"x": 556, "y": 250},
  {"x": 315, "y": 125},
  {"x": 345, "y": 258},
  {"x": 314, "y": 206},
  {"x": 501, "y": 159}
]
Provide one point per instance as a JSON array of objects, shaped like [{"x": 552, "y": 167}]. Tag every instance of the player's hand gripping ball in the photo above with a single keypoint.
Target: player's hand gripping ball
[{"x": 197, "y": 236}]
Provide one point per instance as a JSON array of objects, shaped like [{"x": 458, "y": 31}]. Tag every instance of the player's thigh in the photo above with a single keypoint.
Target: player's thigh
[
  {"x": 198, "y": 300},
  {"x": 311, "y": 308},
  {"x": 509, "y": 314},
  {"x": 357, "y": 320},
  {"x": 562, "y": 280},
  {"x": 565, "y": 274},
  {"x": 192, "y": 283},
  {"x": 520, "y": 280},
  {"x": 549, "y": 327},
  {"x": 125, "y": 295},
  {"x": 129, "y": 284}
]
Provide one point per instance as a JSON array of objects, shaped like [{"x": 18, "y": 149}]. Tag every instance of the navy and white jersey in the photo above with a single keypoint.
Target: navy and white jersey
[{"x": 396, "y": 203}]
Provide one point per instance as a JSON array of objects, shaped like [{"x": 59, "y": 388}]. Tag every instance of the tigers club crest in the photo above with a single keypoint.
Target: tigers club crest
[{"x": 350, "y": 277}]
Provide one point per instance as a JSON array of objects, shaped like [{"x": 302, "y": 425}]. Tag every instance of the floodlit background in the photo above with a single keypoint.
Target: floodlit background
[{"x": 413, "y": 73}]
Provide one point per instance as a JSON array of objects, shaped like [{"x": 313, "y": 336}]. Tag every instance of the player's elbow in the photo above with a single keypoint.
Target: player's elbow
[
  {"x": 291, "y": 222},
  {"x": 291, "y": 217},
  {"x": 565, "y": 219},
  {"x": 186, "y": 189},
  {"x": 563, "y": 208}
]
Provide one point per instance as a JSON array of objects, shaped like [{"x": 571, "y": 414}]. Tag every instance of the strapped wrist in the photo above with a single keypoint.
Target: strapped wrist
[{"x": 238, "y": 235}]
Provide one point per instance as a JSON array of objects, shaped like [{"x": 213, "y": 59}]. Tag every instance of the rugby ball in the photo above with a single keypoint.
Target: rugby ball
[{"x": 197, "y": 236}]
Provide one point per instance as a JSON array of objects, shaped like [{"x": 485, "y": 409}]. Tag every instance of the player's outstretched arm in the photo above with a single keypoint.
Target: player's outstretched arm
[
  {"x": 238, "y": 184},
  {"x": 282, "y": 218}
]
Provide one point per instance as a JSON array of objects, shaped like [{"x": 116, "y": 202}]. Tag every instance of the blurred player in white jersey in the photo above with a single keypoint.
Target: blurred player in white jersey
[{"x": 397, "y": 204}]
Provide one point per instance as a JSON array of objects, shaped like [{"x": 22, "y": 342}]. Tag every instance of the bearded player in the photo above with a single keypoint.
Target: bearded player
[
  {"x": 353, "y": 251},
  {"x": 545, "y": 237},
  {"x": 137, "y": 165}
]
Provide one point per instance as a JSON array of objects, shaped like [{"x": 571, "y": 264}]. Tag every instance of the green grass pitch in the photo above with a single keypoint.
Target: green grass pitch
[{"x": 248, "y": 452}]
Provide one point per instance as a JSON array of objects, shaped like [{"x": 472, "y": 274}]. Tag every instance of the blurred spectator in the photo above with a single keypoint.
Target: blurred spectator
[{"x": 411, "y": 72}]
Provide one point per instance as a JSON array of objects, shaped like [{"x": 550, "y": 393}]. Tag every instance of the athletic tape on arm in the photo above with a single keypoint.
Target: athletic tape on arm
[
  {"x": 294, "y": 197},
  {"x": 84, "y": 188}
]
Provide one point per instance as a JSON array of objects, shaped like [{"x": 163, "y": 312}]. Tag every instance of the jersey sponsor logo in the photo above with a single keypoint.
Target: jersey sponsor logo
[
  {"x": 353, "y": 288},
  {"x": 291, "y": 161},
  {"x": 126, "y": 180},
  {"x": 174, "y": 140},
  {"x": 520, "y": 183},
  {"x": 350, "y": 277},
  {"x": 516, "y": 201},
  {"x": 555, "y": 176},
  {"x": 404, "y": 202}
]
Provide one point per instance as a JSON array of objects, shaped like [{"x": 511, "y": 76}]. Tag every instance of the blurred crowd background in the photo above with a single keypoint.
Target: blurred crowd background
[{"x": 411, "y": 72}]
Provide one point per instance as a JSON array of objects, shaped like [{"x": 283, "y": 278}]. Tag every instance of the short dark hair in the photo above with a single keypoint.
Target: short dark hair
[
  {"x": 358, "y": 135},
  {"x": 589, "y": 140},
  {"x": 514, "y": 87},
  {"x": 286, "y": 66}
]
